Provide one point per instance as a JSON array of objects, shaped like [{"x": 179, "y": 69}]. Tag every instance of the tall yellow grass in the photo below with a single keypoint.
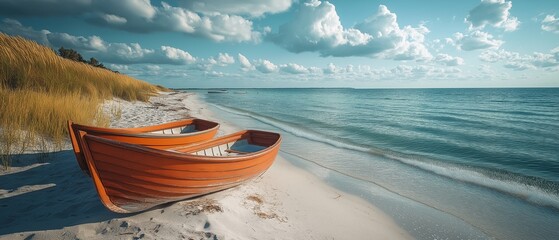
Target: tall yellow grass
[
  {"x": 27, "y": 65},
  {"x": 39, "y": 91}
]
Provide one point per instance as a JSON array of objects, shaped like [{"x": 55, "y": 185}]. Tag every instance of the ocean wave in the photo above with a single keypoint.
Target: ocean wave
[
  {"x": 504, "y": 183},
  {"x": 299, "y": 132},
  {"x": 508, "y": 183}
]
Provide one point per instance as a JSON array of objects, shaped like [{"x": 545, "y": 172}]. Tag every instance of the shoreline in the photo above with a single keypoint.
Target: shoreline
[
  {"x": 302, "y": 197},
  {"x": 286, "y": 202}
]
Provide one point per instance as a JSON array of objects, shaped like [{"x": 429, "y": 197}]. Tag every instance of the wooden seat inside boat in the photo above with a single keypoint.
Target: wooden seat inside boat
[
  {"x": 252, "y": 143},
  {"x": 229, "y": 149}
]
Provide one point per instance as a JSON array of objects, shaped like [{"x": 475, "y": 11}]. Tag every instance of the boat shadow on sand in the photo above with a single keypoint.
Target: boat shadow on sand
[{"x": 49, "y": 195}]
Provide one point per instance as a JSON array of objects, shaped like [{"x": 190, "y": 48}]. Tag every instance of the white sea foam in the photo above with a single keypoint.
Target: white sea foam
[{"x": 523, "y": 191}]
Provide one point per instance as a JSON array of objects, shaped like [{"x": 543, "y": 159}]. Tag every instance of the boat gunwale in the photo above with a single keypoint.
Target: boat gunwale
[
  {"x": 181, "y": 156},
  {"x": 144, "y": 132}
]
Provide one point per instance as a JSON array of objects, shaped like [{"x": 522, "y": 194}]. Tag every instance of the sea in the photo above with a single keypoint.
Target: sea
[{"x": 443, "y": 163}]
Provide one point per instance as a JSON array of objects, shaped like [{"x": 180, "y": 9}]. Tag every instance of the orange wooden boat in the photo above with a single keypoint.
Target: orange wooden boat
[
  {"x": 131, "y": 178},
  {"x": 158, "y": 136}
]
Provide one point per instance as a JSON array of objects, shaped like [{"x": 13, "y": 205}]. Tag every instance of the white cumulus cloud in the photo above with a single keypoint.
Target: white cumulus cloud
[
  {"x": 331, "y": 69},
  {"x": 399, "y": 43},
  {"x": 222, "y": 59},
  {"x": 91, "y": 43},
  {"x": 449, "y": 60},
  {"x": 225, "y": 59},
  {"x": 550, "y": 24},
  {"x": 476, "y": 40},
  {"x": 495, "y": 55},
  {"x": 422, "y": 72},
  {"x": 245, "y": 63},
  {"x": 174, "y": 19},
  {"x": 293, "y": 68},
  {"x": 265, "y": 66},
  {"x": 518, "y": 66},
  {"x": 124, "y": 53},
  {"x": 223, "y": 27},
  {"x": 316, "y": 27},
  {"x": 216, "y": 26},
  {"x": 516, "y": 61},
  {"x": 178, "y": 55},
  {"x": 119, "y": 67},
  {"x": 544, "y": 60},
  {"x": 113, "y": 19},
  {"x": 134, "y": 53},
  {"x": 495, "y": 13}
]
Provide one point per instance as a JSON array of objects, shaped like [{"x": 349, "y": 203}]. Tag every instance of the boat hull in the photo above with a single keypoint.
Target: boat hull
[{"x": 131, "y": 178}]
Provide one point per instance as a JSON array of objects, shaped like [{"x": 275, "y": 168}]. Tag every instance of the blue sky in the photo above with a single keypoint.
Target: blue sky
[{"x": 286, "y": 43}]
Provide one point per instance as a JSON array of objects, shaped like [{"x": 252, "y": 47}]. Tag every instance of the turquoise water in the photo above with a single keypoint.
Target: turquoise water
[{"x": 444, "y": 163}]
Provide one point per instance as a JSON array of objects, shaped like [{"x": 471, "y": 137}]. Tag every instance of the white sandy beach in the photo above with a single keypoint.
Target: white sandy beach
[{"x": 53, "y": 199}]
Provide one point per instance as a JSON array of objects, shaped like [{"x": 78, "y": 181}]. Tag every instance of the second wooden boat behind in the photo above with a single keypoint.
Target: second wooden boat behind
[
  {"x": 161, "y": 136},
  {"x": 131, "y": 178}
]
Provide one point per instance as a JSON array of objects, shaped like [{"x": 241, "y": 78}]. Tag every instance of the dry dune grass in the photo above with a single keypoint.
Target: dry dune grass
[{"x": 39, "y": 91}]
